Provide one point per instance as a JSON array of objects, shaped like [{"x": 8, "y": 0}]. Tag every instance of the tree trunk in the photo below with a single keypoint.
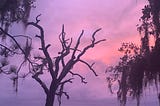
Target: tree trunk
[
  {"x": 51, "y": 94},
  {"x": 50, "y": 99}
]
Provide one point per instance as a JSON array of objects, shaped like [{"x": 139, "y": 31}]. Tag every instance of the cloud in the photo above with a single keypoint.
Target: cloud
[
  {"x": 118, "y": 21},
  {"x": 116, "y": 18}
]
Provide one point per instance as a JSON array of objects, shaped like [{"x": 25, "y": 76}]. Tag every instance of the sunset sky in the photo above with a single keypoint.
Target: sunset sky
[{"x": 118, "y": 20}]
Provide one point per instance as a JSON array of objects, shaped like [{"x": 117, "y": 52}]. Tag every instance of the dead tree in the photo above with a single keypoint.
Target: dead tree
[{"x": 58, "y": 67}]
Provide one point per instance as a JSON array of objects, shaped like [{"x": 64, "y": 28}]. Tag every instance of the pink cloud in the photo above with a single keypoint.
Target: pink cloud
[{"x": 118, "y": 21}]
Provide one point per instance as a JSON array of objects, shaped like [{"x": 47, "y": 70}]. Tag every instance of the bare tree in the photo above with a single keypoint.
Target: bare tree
[{"x": 58, "y": 67}]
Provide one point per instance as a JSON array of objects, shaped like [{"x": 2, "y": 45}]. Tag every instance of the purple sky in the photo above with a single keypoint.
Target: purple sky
[{"x": 117, "y": 18}]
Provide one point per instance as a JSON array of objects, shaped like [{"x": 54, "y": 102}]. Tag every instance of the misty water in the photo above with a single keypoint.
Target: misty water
[{"x": 31, "y": 94}]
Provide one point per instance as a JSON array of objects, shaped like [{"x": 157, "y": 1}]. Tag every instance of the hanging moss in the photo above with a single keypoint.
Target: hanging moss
[
  {"x": 139, "y": 68},
  {"x": 14, "y": 11}
]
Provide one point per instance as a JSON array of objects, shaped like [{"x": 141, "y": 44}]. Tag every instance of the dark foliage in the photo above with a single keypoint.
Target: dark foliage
[
  {"x": 139, "y": 68},
  {"x": 14, "y": 11}
]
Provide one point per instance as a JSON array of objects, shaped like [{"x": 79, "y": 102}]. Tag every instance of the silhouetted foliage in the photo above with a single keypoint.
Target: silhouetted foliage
[
  {"x": 14, "y": 11},
  {"x": 139, "y": 68},
  {"x": 126, "y": 70},
  {"x": 59, "y": 67}
]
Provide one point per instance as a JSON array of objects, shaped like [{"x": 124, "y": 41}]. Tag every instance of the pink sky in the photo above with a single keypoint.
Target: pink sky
[{"x": 117, "y": 18}]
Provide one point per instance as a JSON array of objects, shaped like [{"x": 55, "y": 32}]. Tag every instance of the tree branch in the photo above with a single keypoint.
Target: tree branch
[
  {"x": 44, "y": 47},
  {"x": 65, "y": 51},
  {"x": 40, "y": 82},
  {"x": 93, "y": 43},
  {"x": 77, "y": 44},
  {"x": 12, "y": 51},
  {"x": 59, "y": 94},
  {"x": 3, "y": 31},
  {"x": 89, "y": 66},
  {"x": 81, "y": 77}
]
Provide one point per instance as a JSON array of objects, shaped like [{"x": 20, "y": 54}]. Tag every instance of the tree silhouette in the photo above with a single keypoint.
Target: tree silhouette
[
  {"x": 139, "y": 68},
  {"x": 12, "y": 11},
  {"x": 59, "y": 67},
  {"x": 127, "y": 73}
]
